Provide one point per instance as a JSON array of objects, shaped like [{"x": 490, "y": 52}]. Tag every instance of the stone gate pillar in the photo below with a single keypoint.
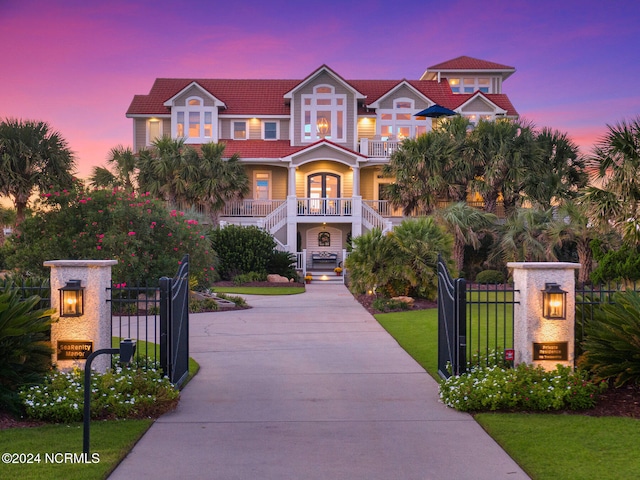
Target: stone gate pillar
[
  {"x": 539, "y": 340},
  {"x": 74, "y": 338}
]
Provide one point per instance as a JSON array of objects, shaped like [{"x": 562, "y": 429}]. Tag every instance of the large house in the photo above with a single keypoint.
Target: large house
[{"x": 313, "y": 148}]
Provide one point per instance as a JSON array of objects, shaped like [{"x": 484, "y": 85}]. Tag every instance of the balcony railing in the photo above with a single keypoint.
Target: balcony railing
[
  {"x": 325, "y": 207},
  {"x": 378, "y": 148},
  {"x": 251, "y": 208},
  {"x": 384, "y": 208}
]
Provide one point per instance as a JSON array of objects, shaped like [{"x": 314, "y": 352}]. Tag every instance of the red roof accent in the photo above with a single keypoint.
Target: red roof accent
[
  {"x": 242, "y": 97},
  {"x": 259, "y": 148},
  {"x": 266, "y": 97},
  {"x": 469, "y": 63},
  {"x": 500, "y": 99},
  {"x": 275, "y": 149}
]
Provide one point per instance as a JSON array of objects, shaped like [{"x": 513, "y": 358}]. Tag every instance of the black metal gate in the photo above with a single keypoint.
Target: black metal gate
[
  {"x": 174, "y": 324},
  {"x": 452, "y": 324}
]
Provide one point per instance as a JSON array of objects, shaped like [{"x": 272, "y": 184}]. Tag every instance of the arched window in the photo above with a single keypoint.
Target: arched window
[{"x": 194, "y": 121}]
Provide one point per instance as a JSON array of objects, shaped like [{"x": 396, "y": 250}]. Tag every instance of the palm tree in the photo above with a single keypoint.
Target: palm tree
[
  {"x": 426, "y": 169},
  {"x": 573, "y": 225},
  {"x": 160, "y": 170},
  {"x": 505, "y": 153},
  {"x": 617, "y": 200},
  {"x": 525, "y": 236},
  {"x": 562, "y": 171},
  {"x": 466, "y": 224},
  {"x": 32, "y": 156},
  {"x": 125, "y": 163},
  {"x": 371, "y": 264},
  {"x": 417, "y": 244},
  {"x": 215, "y": 181}
]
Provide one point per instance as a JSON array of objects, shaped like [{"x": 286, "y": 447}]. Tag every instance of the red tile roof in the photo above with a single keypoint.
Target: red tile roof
[
  {"x": 265, "y": 97},
  {"x": 500, "y": 99},
  {"x": 469, "y": 63},
  {"x": 259, "y": 148},
  {"x": 270, "y": 148}
]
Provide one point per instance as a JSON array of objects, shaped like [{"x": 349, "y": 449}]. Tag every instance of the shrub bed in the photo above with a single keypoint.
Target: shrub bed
[
  {"x": 134, "y": 391},
  {"x": 524, "y": 388}
]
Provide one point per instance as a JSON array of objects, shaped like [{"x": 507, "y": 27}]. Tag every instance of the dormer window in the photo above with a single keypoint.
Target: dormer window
[
  {"x": 324, "y": 114},
  {"x": 399, "y": 123},
  {"x": 470, "y": 84},
  {"x": 194, "y": 121}
]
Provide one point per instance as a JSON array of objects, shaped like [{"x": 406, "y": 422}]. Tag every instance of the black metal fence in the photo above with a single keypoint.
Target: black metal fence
[
  {"x": 29, "y": 287},
  {"x": 490, "y": 318},
  {"x": 135, "y": 314},
  {"x": 588, "y": 297}
]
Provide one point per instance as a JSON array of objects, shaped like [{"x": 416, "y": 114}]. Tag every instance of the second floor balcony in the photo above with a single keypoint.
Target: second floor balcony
[{"x": 378, "y": 148}]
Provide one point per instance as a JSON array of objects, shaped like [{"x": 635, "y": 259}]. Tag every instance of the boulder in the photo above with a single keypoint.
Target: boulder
[
  {"x": 274, "y": 278},
  {"x": 408, "y": 300}
]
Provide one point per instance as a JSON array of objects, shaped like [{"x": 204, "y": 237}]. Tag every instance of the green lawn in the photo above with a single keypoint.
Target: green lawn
[
  {"x": 260, "y": 290},
  {"x": 110, "y": 440},
  {"x": 546, "y": 446}
]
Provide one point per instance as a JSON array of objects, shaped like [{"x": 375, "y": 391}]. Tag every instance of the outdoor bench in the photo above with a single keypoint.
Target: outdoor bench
[{"x": 324, "y": 257}]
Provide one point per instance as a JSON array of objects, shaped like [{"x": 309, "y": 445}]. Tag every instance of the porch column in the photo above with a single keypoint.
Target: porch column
[
  {"x": 291, "y": 185},
  {"x": 292, "y": 222},
  {"x": 356, "y": 223},
  {"x": 356, "y": 180},
  {"x": 74, "y": 338},
  {"x": 538, "y": 340}
]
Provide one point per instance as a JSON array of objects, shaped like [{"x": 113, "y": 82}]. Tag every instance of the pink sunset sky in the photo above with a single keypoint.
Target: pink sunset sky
[{"x": 77, "y": 64}]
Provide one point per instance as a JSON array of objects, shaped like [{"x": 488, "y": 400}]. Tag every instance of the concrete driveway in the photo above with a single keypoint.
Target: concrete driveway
[{"x": 310, "y": 386}]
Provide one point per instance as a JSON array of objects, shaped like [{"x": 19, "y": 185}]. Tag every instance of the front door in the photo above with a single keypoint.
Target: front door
[{"x": 324, "y": 191}]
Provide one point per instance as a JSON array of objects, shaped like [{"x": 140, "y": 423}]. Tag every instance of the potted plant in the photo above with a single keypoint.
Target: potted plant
[
  {"x": 338, "y": 270},
  {"x": 308, "y": 277}
]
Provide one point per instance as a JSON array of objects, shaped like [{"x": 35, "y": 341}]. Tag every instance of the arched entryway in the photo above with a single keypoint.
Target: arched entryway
[{"x": 323, "y": 189}]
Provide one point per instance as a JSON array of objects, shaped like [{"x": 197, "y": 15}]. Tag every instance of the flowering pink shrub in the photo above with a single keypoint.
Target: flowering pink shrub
[{"x": 147, "y": 239}]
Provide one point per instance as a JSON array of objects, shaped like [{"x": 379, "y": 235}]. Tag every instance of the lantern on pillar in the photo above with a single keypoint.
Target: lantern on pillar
[
  {"x": 554, "y": 302},
  {"x": 72, "y": 299}
]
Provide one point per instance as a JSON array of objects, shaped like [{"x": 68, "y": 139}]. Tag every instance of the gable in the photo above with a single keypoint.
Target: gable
[
  {"x": 403, "y": 91},
  {"x": 324, "y": 151},
  {"x": 193, "y": 91},
  {"x": 478, "y": 105}
]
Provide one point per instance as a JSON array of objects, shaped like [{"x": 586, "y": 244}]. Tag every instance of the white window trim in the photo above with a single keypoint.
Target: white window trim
[
  {"x": 233, "y": 129},
  {"x": 277, "y": 122},
  {"x": 413, "y": 123},
  {"x": 202, "y": 110},
  {"x": 314, "y": 108},
  {"x": 149, "y": 140},
  {"x": 475, "y": 85}
]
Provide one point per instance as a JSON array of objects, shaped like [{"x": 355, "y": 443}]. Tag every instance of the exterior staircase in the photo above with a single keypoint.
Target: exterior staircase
[{"x": 325, "y": 277}]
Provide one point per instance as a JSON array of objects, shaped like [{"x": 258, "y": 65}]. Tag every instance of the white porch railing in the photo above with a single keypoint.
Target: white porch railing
[
  {"x": 378, "y": 148},
  {"x": 275, "y": 220},
  {"x": 383, "y": 208},
  {"x": 251, "y": 208},
  {"x": 372, "y": 219},
  {"x": 325, "y": 207}
]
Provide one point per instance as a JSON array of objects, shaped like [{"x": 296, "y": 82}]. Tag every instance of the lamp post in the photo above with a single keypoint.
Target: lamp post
[{"x": 126, "y": 351}]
